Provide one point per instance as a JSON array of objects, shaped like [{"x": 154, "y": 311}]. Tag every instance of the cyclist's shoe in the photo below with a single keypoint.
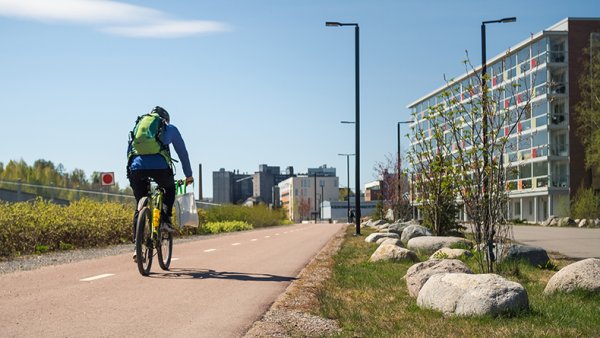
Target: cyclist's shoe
[
  {"x": 167, "y": 227},
  {"x": 134, "y": 257}
]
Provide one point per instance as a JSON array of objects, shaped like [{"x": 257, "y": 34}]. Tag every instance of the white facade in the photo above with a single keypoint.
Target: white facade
[
  {"x": 302, "y": 195},
  {"x": 541, "y": 149}
]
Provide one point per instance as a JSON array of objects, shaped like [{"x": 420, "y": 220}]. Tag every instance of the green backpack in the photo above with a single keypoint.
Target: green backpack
[{"x": 145, "y": 138}]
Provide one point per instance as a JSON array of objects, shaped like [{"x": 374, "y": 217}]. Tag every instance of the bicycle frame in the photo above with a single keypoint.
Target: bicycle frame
[
  {"x": 155, "y": 206},
  {"x": 150, "y": 240}
]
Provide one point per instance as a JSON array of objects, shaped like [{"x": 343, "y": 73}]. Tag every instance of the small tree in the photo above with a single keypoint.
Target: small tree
[
  {"x": 345, "y": 193},
  {"x": 393, "y": 188},
  {"x": 586, "y": 204},
  {"x": 588, "y": 108},
  {"x": 461, "y": 148},
  {"x": 304, "y": 208},
  {"x": 433, "y": 179}
]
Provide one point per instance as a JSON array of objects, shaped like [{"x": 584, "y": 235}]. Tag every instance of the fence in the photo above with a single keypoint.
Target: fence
[{"x": 19, "y": 192}]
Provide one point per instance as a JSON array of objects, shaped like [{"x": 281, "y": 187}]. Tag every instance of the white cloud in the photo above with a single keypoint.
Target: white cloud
[
  {"x": 168, "y": 29},
  {"x": 110, "y": 16}
]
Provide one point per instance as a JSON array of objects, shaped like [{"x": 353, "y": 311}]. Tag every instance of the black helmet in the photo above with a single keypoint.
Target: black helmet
[{"x": 162, "y": 113}]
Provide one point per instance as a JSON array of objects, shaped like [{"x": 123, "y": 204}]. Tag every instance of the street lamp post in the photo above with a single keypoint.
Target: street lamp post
[
  {"x": 322, "y": 184},
  {"x": 357, "y": 117},
  {"x": 348, "y": 186},
  {"x": 484, "y": 124},
  {"x": 399, "y": 163}
]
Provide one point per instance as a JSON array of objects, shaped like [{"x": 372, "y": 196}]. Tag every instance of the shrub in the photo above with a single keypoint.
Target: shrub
[
  {"x": 258, "y": 216},
  {"x": 229, "y": 226},
  {"x": 27, "y": 228},
  {"x": 586, "y": 204},
  {"x": 41, "y": 226}
]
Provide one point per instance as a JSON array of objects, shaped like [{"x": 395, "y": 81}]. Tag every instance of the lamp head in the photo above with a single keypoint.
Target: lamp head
[{"x": 332, "y": 24}]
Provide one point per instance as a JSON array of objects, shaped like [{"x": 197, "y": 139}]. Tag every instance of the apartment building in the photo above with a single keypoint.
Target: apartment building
[
  {"x": 545, "y": 148},
  {"x": 302, "y": 195}
]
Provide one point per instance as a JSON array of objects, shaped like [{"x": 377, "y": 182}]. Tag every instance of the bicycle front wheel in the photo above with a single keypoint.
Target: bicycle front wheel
[
  {"x": 165, "y": 251},
  {"x": 143, "y": 242}
]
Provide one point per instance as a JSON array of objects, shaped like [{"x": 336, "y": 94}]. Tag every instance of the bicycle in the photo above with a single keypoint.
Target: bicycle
[{"x": 148, "y": 235}]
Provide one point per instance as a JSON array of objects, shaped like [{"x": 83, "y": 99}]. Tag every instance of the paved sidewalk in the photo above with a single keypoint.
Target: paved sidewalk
[{"x": 571, "y": 242}]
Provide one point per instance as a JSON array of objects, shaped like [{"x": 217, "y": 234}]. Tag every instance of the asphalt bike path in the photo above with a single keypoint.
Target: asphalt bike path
[
  {"x": 216, "y": 287},
  {"x": 569, "y": 241}
]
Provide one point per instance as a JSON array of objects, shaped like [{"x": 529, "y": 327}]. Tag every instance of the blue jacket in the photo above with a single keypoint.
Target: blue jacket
[{"x": 171, "y": 135}]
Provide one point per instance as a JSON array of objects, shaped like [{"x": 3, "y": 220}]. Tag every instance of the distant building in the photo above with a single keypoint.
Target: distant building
[
  {"x": 322, "y": 171},
  {"x": 235, "y": 188},
  {"x": 301, "y": 195},
  {"x": 265, "y": 182},
  {"x": 231, "y": 187},
  {"x": 338, "y": 210},
  {"x": 373, "y": 191},
  {"x": 545, "y": 149}
]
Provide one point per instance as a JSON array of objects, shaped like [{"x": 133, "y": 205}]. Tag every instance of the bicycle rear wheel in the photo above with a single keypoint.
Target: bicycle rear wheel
[
  {"x": 143, "y": 241},
  {"x": 165, "y": 251}
]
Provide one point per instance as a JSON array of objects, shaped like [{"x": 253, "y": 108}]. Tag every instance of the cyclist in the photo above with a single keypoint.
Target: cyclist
[{"x": 158, "y": 166}]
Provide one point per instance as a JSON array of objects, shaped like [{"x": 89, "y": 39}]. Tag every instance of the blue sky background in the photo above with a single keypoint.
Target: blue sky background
[{"x": 246, "y": 82}]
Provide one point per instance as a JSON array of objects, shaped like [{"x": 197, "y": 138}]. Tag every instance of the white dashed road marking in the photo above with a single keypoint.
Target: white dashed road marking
[
  {"x": 253, "y": 240},
  {"x": 174, "y": 259},
  {"x": 267, "y": 236},
  {"x": 89, "y": 279},
  {"x": 234, "y": 244},
  {"x": 209, "y": 250}
]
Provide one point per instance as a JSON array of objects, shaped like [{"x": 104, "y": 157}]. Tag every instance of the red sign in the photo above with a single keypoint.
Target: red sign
[{"x": 107, "y": 178}]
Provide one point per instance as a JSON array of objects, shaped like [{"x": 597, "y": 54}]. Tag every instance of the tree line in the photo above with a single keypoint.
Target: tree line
[{"x": 46, "y": 173}]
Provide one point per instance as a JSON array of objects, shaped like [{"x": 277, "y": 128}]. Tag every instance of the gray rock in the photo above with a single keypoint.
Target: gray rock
[
  {"x": 534, "y": 255},
  {"x": 548, "y": 221},
  {"x": 582, "y": 223},
  {"x": 419, "y": 273},
  {"x": 397, "y": 227},
  {"x": 393, "y": 241},
  {"x": 554, "y": 222},
  {"x": 566, "y": 222},
  {"x": 387, "y": 252},
  {"x": 413, "y": 231},
  {"x": 377, "y": 223},
  {"x": 447, "y": 253},
  {"x": 383, "y": 226},
  {"x": 372, "y": 238},
  {"x": 430, "y": 244},
  {"x": 597, "y": 222},
  {"x": 367, "y": 224},
  {"x": 467, "y": 294},
  {"x": 583, "y": 275}
]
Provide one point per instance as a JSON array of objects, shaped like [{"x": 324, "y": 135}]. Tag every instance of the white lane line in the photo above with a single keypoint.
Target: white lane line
[
  {"x": 253, "y": 240},
  {"x": 174, "y": 259},
  {"x": 234, "y": 244},
  {"x": 267, "y": 236},
  {"x": 89, "y": 279},
  {"x": 209, "y": 250}
]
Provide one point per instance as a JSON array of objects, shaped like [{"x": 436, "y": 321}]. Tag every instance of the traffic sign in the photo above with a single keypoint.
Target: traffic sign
[{"x": 107, "y": 178}]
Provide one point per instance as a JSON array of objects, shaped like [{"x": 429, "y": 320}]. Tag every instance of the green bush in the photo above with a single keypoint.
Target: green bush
[
  {"x": 37, "y": 227},
  {"x": 586, "y": 204},
  {"x": 258, "y": 216},
  {"x": 228, "y": 226}
]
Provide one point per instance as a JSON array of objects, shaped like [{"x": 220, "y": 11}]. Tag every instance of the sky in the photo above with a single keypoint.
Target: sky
[{"x": 246, "y": 82}]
